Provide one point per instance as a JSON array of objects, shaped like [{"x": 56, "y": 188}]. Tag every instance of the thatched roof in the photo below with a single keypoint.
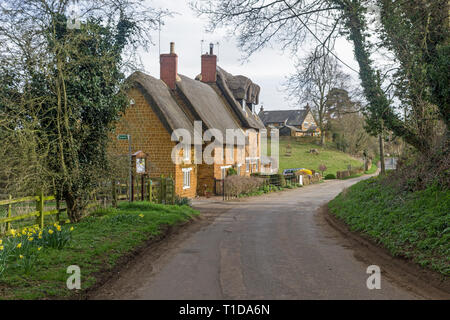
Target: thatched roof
[
  {"x": 242, "y": 87},
  {"x": 206, "y": 104},
  {"x": 160, "y": 99},
  {"x": 288, "y": 117},
  {"x": 234, "y": 88}
]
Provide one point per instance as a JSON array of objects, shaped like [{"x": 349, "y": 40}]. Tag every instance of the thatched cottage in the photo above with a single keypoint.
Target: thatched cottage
[
  {"x": 218, "y": 99},
  {"x": 295, "y": 123}
]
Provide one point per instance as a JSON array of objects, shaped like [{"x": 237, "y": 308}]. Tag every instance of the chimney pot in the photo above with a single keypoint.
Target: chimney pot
[
  {"x": 172, "y": 48},
  {"x": 211, "y": 48}
]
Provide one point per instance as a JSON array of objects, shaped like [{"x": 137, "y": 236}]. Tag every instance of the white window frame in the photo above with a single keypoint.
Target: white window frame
[{"x": 187, "y": 178}]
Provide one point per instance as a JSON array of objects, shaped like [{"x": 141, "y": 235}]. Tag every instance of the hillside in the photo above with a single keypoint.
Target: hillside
[{"x": 301, "y": 158}]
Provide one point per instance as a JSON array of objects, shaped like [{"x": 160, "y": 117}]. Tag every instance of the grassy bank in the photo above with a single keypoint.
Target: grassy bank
[
  {"x": 301, "y": 158},
  {"x": 415, "y": 225},
  {"x": 98, "y": 243}
]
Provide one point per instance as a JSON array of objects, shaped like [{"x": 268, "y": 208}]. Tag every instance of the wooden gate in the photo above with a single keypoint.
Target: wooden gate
[{"x": 161, "y": 190}]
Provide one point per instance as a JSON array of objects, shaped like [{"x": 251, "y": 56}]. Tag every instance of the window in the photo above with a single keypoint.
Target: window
[
  {"x": 247, "y": 166},
  {"x": 239, "y": 169},
  {"x": 187, "y": 178}
]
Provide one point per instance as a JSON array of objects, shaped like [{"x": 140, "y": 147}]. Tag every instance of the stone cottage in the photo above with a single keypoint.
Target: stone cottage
[{"x": 217, "y": 99}]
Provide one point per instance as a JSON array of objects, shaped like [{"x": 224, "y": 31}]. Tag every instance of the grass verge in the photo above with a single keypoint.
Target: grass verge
[
  {"x": 301, "y": 158},
  {"x": 98, "y": 243},
  {"x": 414, "y": 225}
]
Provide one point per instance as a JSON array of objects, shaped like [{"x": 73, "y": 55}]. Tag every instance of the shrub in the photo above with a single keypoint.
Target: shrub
[
  {"x": 232, "y": 172},
  {"x": 322, "y": 168},
  {"x": 237, "y": 185},
  {"x": 330, "y": 176},
  {"x": 183, "y": 201}
]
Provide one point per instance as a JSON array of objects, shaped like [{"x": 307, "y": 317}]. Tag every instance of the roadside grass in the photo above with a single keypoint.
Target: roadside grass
[
  {"x": 301, "y": 158},
  {"x": 414, "y": 225},
  {"x": 98, "y": 242}
]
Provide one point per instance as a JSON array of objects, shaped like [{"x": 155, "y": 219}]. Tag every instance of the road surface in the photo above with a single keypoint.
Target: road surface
[{"x": 270, "y": 247}]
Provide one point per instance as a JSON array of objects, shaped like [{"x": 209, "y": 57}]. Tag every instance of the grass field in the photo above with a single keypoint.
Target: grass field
[
  {"x": 98, "y": 242},
  {"x": 301, "y": 158},
  {"x": 414, "y": 225}
]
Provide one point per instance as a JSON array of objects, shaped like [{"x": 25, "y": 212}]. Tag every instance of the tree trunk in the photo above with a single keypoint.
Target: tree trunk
[
  {"x": 74, "y": 207},
  {"x": 382, "y": 163},
  {"x": 322, "y": 138}
]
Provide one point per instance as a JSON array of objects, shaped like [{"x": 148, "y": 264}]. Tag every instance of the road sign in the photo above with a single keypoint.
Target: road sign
[{"x": 123, "y": 137}]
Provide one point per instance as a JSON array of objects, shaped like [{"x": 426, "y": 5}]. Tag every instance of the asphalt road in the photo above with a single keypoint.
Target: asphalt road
[{"x": 269, "y": 247}]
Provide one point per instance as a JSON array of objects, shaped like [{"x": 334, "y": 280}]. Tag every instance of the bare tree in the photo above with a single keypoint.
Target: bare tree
[
  {"x": 290, "y": 22},
  {"x": 314, "y": 79}
]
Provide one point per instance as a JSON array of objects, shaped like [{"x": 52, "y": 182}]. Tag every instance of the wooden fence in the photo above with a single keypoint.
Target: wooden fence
[
  {"x": 39, "y": 213},
  {"x": 157, "y": 190}
]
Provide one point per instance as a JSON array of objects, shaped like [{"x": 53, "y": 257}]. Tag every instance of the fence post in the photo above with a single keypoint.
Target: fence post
[
  {"x": 173, "y": 191},
  {"x": 57, "y": 208},
  {"x": 162, "y": 189},
  {"x": 114, "y": 193},
  {"x": 41, "y": 209},
  {"x": 8, "y": 224},
  {"x": 150, "y": 190}
]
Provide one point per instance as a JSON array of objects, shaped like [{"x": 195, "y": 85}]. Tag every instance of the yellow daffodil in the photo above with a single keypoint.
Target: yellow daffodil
[
  {"x": 30, "y": 239},
  {"x": 1, "y": 241},
  {"x": 141, "y": 215},
  {"x": 58, "y": 228},
  {"x": 21, "y": 256},
  {"x": 19, "y": 245},
  {"x": 71, "y": 228},
  {"x": 39, "y": 249},
  {"x": 2, "y": 248},
  {"x": 67, "y": 221},
  {"x": 50, "y": 231}
]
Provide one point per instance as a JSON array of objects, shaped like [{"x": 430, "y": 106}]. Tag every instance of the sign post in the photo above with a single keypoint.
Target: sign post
[{"x": 128, "y": 137}]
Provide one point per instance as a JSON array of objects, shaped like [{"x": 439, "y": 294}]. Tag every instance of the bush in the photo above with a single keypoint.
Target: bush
[
  {"x": 183, "y": 201},
  {"x": 237, "y": 185},
  {"x": 330, "y": 176},
  {"x": 232, "y": 172}
]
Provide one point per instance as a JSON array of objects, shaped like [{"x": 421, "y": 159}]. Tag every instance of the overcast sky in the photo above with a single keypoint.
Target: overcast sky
[{"x": 267, "y": 68}]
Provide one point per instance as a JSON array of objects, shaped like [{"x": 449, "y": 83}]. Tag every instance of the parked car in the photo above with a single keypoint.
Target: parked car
[{"x": 290, "y": 172}]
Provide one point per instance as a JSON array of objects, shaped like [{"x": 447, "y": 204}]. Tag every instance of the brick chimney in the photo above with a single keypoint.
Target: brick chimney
[
  {"x": 169, "y": 67},
  {"x": 209, "y": 66}
]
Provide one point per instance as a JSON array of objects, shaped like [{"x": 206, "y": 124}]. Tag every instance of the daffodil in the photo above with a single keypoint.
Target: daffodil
[
  {"x": 50, "y": 231},
  {"x": 2, "y": 248},
  {"x": 67, "y": 221},
  {"x": 21, "y": 256},
  {"x": 141, "y": 215},
  {"x": 1, "y": 241},
  {"x": 58, "y": 228},
  {"x": 39, "y": 249},
  {"x": 71, "y": 228},
  {"x": 30, "y": 239},
  {"x": 19, "y": 245}
]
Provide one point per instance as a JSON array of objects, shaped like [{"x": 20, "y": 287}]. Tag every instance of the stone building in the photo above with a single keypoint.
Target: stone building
[{"x": 217, "y": 99}]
